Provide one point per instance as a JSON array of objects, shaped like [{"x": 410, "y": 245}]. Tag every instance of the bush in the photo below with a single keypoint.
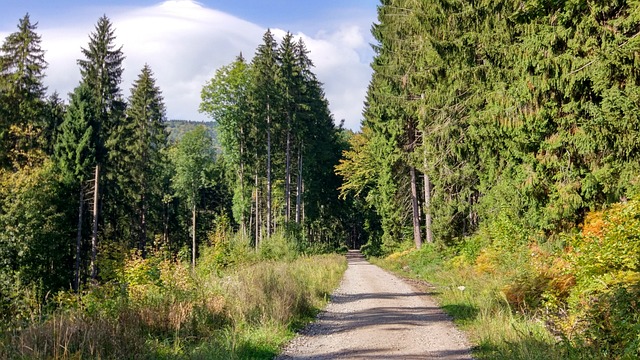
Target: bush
[
  {"x": 602, "y": 304},
  {"x": 278, "y": 246}
]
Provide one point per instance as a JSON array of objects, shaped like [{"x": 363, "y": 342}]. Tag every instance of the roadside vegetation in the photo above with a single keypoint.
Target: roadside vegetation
[
  {"x": 502, "y": 136},
  {"x": 123, "y": 235},
  {"x": 235, "y": 304},
  {"x": 572, "y": 296}
]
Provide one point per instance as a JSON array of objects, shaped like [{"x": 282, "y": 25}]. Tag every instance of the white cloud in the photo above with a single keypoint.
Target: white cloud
[{"x": 185, "y": 42}]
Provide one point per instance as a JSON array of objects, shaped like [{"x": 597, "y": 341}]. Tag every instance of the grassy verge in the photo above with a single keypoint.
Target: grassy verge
[
  {"x": 476, "y": 302},
  {"x": 168, "y": 311}
]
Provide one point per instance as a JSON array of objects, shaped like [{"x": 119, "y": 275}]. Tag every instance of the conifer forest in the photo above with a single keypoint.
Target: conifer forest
[{"x": 499, "y": 145}]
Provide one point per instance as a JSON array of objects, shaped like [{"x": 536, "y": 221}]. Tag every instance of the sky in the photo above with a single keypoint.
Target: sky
[{"x": 185, "y": 41}]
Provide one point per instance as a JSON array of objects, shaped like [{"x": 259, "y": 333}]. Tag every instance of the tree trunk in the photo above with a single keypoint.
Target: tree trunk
[
  {"x": 243, "y": 218},
  {"x": 287, "y": 176},
  {"x": 94, "y": 230},
  {"x": 76, "y": 272},
  {"x": 299, "y": 187},
  {"x": 414, "y": 207},
  {"x": 268, "y": 172},
  {"x": 427, "y": 204},
  {"x": 193, "y": 236},
  {"x": 143, "y": 226},
  {"x": 257, "y": 211}
]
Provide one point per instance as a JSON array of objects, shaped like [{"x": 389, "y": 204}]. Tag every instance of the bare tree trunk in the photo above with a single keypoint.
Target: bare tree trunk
[
  {"x": 299, "y": 187},
  {"x": 414, "y": 207},
  {"x": 94, "y": 230},
  {"x": 143, "y": 226},
  {"x": 76, "y": 272},
  {"x": 268, "y": 172},
  {"x": 243, "y": 218},
  {"x": 287, "y": 178},
  {"x": 257, "y": 212},
  {"x": 193, "y": 236},
  {"x": 427, "y": 203},
  {"x": 165, "y": 225}
]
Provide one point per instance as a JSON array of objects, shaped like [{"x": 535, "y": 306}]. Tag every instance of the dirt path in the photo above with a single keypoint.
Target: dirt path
[{"x": 375, "y": 315}]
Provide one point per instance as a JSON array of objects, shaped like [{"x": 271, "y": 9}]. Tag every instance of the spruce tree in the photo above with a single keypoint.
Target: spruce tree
[
  {"x": 22, "y": 95},
  {"x": 143, "y": 150},
  {"x": 101, "y": 71},
  {"x": 264, "y": 96},
  {"x": 289, "y": 88},
  {"x": 75, "y": 154}
]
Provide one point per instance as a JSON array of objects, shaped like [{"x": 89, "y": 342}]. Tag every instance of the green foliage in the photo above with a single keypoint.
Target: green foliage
[
  {"x": 502, "y": 283},
  {"x": 278, "y": 246},
  {"x": 475, "y": 301},
  {"x": 75, "y": 148},
  {"x": 161, "y": 309},
  {"x": 604, "y": 262},
  {"x": 192, "y": 159},
  {"x": 22, "y": 95},
  {"x": 35, "y": 251},
  {"x": 177, "y": 129},
  {"x": 143, "y": 157}
]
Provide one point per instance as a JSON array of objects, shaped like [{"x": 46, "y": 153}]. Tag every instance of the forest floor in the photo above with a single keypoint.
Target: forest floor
[{"x": 376, "y": 315}]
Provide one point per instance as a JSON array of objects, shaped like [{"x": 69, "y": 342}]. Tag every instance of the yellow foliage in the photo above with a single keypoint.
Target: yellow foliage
[
  {"x": 487, "y": 262},
  {"x": 397, "y": 255},
  {"x": 458, "y": 262}
]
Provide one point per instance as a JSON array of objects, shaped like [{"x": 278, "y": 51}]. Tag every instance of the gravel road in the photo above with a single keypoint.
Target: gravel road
[{"x": 376, "y": 315}]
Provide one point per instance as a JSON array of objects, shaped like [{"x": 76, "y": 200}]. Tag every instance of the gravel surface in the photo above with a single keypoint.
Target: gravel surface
[{"x": 376, "y": 315}]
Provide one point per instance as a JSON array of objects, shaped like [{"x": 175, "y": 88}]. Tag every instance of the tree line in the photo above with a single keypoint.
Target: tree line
[
  {"x": 508, "y": 111},
  {"x": 279, "y": 139},
  {"x": 85, "y": 182}
]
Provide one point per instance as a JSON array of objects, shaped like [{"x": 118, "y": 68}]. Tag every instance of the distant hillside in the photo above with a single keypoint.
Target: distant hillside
[{"x": 177, "y": 128}]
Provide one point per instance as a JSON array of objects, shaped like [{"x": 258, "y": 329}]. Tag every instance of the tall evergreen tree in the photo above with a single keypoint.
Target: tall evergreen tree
[
  {"x": 289, "y": 75},
  {"x": 75, "y": 154},
  {"x": 264, "y": 96},
  {"x": 22, "y": 95},
  {"x": 101, "y": 70},
  {"x": 55, "y": 109},
  {"x": 144, "y": 151}
]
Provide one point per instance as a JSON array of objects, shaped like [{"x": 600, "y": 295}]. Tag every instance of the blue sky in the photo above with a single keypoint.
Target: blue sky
[{"x": 185, "y": 41}]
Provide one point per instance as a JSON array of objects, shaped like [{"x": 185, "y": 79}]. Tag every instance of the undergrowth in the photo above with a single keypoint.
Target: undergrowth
[
  {"x": 569, "y": 296},
  {"x": 236, "y": 304}
]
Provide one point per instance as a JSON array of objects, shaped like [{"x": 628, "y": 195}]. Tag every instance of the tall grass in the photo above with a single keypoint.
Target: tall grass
[
  {"x": 476, "y": 301},
  {"x": 163, "y": 309}
]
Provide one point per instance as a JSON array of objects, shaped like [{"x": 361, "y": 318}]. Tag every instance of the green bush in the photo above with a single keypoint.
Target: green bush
[{"x": 278, "y": 246}]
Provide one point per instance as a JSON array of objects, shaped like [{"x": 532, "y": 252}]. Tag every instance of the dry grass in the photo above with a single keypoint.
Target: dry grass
[{"x": 248, "y": 311}]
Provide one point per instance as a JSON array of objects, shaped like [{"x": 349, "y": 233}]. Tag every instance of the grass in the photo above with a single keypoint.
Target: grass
[
  {"x": 476, "y": 302},
  {"x": 167, "y": 311}
]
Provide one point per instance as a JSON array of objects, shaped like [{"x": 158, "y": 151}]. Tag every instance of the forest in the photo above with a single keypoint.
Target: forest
[
  {"x": 104, "y": 199},
  {"x": 499, "y": 149},
  {"x": 503, "y": 138}
]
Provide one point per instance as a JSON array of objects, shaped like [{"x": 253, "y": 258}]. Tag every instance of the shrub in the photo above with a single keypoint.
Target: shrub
[{"x": 602, "y": 305}]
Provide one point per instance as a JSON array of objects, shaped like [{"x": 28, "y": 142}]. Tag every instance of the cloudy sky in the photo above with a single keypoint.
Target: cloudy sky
[{"x": 185, "y": 41}]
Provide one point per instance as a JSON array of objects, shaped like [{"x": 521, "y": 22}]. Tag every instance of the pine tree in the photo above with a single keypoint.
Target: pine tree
[
  {"x": 101, "y": 71},
  {"x": 289, "y": 75},
  {"x": 22, "y": 95},
  {"x": 143, "y": 150},
  {"x": 264, "y": 94},
  {"x": 55, "y": 109},
  {"x": 75, "y": 154}
]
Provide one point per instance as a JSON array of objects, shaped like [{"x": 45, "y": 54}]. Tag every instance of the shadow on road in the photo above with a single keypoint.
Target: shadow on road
[{"x": 378, "y": 313}]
